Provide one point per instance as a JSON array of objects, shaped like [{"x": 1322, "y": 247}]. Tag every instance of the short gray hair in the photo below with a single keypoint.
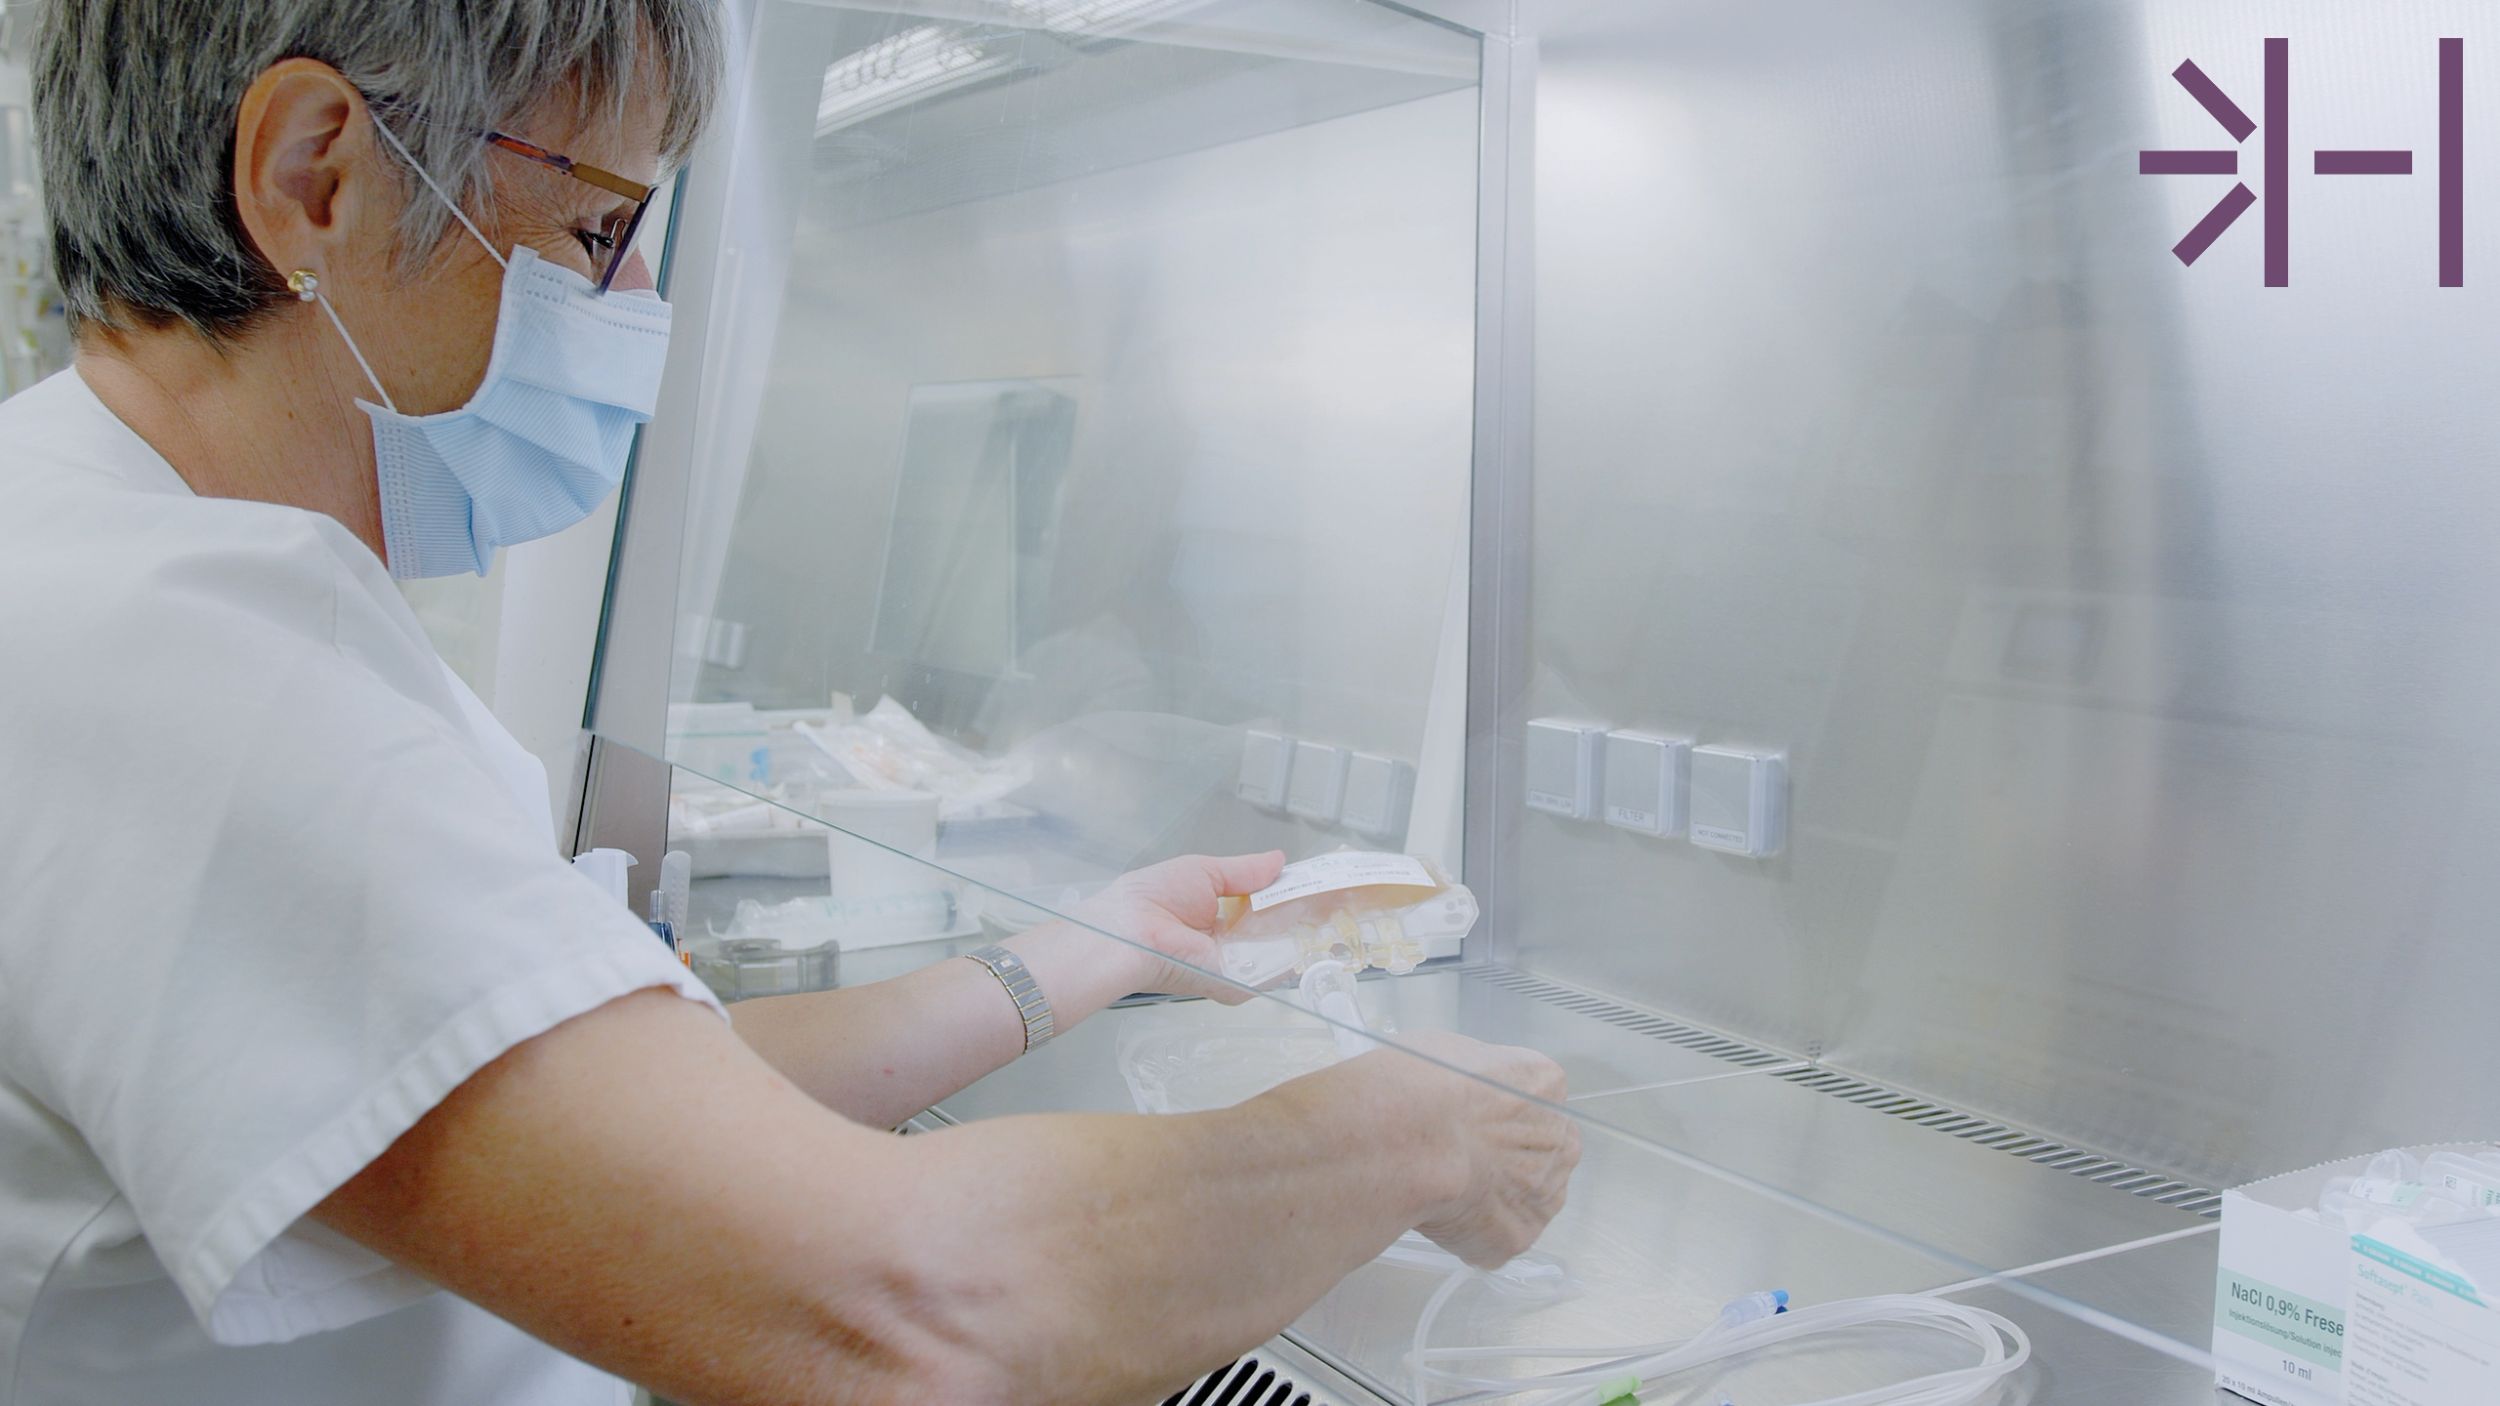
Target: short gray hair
[{"x": 136, "y": 101}]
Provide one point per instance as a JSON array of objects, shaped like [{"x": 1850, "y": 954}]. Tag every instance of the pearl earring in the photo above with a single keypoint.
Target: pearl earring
[{"x": 303, "y": 285}]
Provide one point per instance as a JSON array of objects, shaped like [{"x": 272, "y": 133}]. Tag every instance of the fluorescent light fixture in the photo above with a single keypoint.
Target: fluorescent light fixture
[
  {"x": 1094, "y": 18},
  {"x": 898, "y": 70}
]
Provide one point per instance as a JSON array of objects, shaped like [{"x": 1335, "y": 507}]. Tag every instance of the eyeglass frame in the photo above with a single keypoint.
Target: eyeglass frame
[{"x": 621, "y": 246}]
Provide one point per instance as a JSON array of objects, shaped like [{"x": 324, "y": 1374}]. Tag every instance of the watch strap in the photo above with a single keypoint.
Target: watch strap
[{"x": 1031, "y": 1005}]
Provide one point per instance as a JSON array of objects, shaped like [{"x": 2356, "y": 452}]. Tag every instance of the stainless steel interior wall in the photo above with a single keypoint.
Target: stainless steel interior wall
[{"x": 2132, "y": 629}]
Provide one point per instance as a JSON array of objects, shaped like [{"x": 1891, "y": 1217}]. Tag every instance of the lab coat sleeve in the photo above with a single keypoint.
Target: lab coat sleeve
[{"x": 331, "y": 915}]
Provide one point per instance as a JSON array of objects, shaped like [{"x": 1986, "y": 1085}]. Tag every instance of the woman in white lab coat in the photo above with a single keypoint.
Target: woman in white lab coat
[{"x": 302, "y": 1018}]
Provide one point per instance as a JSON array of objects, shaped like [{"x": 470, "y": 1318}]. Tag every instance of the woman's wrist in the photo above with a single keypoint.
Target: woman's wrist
[
  {"x": 1080, "y": 971},
  {"x": 1392, "y": 1117}
]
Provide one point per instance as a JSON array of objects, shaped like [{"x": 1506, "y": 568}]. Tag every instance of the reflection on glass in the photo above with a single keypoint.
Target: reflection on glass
[
  {"x": 775, "y": 897},
  {"x": 975, "y": 525},
  {"x": 1092, "y": 395}
]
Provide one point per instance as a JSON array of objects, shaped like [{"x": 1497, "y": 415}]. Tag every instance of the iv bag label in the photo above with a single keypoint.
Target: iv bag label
[{"x": 1331, "y": 872}]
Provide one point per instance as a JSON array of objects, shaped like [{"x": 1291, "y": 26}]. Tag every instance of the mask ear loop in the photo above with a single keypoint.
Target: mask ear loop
[
  {"x": 431, "y": 184},
  {"x": 307, "y": 289}
]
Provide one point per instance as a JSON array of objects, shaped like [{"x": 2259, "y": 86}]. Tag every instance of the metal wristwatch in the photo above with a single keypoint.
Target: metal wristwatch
[{"x": 1031, "y": 1004}]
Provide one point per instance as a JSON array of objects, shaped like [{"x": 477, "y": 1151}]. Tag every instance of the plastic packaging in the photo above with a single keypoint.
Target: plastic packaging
[
  {"x": 1358, "y": 909},
  {"x": 887, "y": 749},
  {"x": 2470, "y": 1179},
  {"x": 1200, "y": 1058},
  {"x": 1193, "y": 1069},
  {"x": 2451, "y": 1187}
]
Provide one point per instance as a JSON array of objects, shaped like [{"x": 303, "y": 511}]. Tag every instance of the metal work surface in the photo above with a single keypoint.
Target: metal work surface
[
  {"x": 1659, "y": 1249},
  {"x": 1969, "y": 1201}
]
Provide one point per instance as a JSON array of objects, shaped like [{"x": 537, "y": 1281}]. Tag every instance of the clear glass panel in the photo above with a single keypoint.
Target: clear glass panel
[
  {"x": 1072, "y": 366},
  {"x": 1706, "y": 1177}
]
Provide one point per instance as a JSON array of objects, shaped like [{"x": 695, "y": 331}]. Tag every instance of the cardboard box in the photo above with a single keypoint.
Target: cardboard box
[
  {"x": 2285, "y": 1289},
  {"x": 2422, "y": 1330}
]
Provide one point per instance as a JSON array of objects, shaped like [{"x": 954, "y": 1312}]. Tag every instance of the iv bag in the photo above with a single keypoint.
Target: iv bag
[{"x": 1365, "y": 910}]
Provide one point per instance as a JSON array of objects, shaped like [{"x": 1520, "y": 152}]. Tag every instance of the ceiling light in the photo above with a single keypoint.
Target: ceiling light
[
  {"x": 898, "y": 70},
  {"x": 1094, "y": 18}
]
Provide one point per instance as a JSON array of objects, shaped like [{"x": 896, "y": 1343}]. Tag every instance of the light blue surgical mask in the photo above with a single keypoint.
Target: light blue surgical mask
[{"x": 546, "y": 435}]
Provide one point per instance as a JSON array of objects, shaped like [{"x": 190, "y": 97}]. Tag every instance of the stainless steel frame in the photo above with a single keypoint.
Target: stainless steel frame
[
  {"x": 1498, "y": 554},
  {"x": 625, "y": 789}
]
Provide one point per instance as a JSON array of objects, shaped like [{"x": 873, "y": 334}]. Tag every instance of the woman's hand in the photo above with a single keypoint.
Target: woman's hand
[
  {"x": 1518, "y": 1147},
  {"x": 1168, "y": 911},
  {"x": 1170, "y": 908}
]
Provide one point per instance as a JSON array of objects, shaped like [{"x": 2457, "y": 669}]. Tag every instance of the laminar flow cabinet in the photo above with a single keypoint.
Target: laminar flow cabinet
[{"x": 1965, "y": 729}]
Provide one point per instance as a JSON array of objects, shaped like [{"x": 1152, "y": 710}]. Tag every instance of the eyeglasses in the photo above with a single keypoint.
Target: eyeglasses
[{"x": 613, "y": 242}]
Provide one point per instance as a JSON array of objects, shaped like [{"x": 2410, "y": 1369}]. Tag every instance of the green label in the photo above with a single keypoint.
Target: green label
[
  {"x": 2407, "y": 1265},
  {"x": 2305, "y": 1328}
]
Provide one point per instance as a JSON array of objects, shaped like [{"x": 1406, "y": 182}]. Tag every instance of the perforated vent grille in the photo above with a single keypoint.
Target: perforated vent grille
[
  {"x": 1248, "y": 1382},
  {"x": 1624, "y": 1017},
  {"x": 2091, "y": 1166}
]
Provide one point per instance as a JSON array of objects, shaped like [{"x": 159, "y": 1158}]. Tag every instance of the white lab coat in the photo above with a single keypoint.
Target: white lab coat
[{"x": 271, "y": 885}]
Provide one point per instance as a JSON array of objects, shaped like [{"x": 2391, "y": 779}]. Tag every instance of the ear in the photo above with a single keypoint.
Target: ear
[{"x": 302, "y": 174}]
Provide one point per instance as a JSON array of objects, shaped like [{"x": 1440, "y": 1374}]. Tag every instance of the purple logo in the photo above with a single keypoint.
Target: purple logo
[{"x": 2225, "y": 161}]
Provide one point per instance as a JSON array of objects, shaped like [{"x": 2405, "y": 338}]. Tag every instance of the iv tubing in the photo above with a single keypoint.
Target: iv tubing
[{"x": 1987, "y": 1331}]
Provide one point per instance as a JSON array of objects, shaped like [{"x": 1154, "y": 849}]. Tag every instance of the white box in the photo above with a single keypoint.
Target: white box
[
  {"x": 2279, "y": 1304},
  {"x": 1316, "y": 788},
  {"x": 1562, "y": 766},
  {"x": 1739, "y": 801},
  {"x": 1378, "y": 793},
  {"x": 2421, "y": 1330},
  {"x": 1266, "y": 769},
  {"x": 1646, "y": 777},
  {"x": 881, "y": 852},
  {"x": 2285, "y": 1290}
]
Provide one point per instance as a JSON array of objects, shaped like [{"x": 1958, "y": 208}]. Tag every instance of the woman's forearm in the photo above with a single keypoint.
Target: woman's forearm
[
  {"x": 879, "y": 1054},
  {"x": 1104, "y": 1258},
  {"x": 636, "y": 1188}
]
